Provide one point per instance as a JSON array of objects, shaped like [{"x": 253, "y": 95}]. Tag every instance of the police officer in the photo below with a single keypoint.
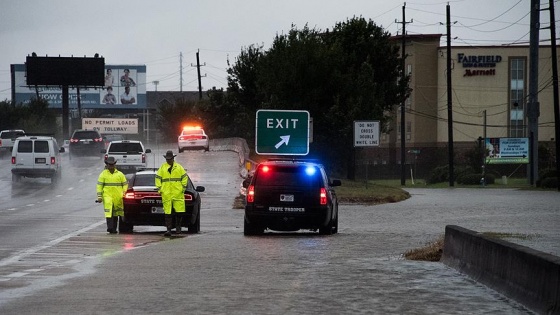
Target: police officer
[
  {"x": 111, "y": 187},
  {"x": 171, "y": 182}
]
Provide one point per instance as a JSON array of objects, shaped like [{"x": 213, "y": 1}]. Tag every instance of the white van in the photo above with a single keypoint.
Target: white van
[{"x": 36, "y": 157}]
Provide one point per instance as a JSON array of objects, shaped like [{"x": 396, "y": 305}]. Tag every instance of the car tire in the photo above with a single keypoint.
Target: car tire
[
  {"x": 251, "y": 229},
  {"x": 125, "y": 226},
  {"x": 194, "y": 227},
  {"x": 207, "y": 149},
  {"x": 335, "y": 225},
  {"x": 328, "y": 229},
  {"x": 180, "y": 150},
  {"x": 15, "y": 178}
]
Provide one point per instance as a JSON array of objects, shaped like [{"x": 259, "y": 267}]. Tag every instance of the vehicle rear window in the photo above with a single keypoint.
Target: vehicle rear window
[
  {"x": 41, "y": 146},
  {"x": 25, "y": 146},
  {"x": 288, "y": 176},
  {"x": 145, "y": 180},
  {"x": 125, "y": 147},
  {"x": 193, "y": 132},
  {"x": 86, "y": 135},
  {"x": 12, "y": 134}
]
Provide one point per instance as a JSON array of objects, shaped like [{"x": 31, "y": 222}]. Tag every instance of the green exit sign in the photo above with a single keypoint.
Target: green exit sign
[{"x": 282, "y": 132}]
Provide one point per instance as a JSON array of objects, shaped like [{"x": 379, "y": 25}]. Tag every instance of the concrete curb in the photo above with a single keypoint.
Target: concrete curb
[{"x": 526, "y": 275}]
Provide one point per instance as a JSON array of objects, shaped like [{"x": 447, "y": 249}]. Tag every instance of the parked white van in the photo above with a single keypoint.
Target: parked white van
[{"x": 36, "y": 157}]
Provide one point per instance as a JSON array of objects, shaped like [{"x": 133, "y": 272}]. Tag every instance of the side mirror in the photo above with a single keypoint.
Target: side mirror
[
  {"x": 148, "y": 151},
  {"x": 336, "y": 182},
  {"x": 104, "y": 151},
  {"x": 200, "y": 188},
  {"x": 61, "y": 150}
]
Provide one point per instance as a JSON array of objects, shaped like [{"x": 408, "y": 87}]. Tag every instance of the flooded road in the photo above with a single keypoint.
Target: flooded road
[{"x": 79, "y": 268}]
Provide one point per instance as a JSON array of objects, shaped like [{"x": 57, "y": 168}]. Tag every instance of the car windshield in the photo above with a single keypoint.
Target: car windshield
[
  {"x": 12, "y": 134},
  {"x": 277, "y": 175},
  {"x": 127, "y": 147}
]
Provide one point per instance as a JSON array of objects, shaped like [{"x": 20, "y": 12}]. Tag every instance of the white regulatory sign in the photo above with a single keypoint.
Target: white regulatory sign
[{"x": 366, "y": 133}]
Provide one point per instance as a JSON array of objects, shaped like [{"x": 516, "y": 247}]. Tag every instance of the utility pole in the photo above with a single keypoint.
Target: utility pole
[
  {"x": 403, "y": 102},
  {"x": 199, "y": 76},
  {"x": 449, "y": 101},
  {"x": 181, "y": 71},
  {"x": 533, "y": 110},
  {"x": 555, "y": 88}
]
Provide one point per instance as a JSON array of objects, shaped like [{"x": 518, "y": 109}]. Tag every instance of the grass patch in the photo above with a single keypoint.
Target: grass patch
[
  {"x": 430, "y": 252},
  {"x": 370, "y": 193}
]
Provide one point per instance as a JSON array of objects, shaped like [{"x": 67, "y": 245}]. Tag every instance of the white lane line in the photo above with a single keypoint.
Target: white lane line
[
  {"x": 27, "y": 252},
  {"x": 31, "y": 205}
]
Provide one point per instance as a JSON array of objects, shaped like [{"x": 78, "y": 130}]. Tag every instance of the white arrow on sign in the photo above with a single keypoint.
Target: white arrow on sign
[{"x": 285, "y": 139}]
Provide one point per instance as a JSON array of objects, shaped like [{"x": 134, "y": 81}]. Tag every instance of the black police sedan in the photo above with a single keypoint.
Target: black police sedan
[
  {"x": 143, "y": 206},
  {"x": 289, "y": 195}
]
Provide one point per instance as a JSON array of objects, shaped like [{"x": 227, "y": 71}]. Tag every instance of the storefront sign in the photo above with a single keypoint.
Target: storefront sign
[{"x": 479, "y": 62}]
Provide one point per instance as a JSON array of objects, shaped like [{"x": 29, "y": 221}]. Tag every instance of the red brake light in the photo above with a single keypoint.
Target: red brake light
[
  {"x": 98, "y": 140},
  {"x": 13, "y": 160},
  {"x": 251, "y": 193},
  {"x": 323, "y": 196},
  {"x": 265, "y": 169},
  {"x": 143, "y": 158},
  {"x": 129, "y": 195},
  {"x": 53, "y": 160},
  {"x": 188, "y": 197},
  {"x": 74, "y": 140}
]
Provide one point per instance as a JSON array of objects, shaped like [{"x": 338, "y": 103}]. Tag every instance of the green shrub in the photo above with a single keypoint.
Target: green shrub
[
  {"x": 440, "y": 174},
  {"x": 549, "y": 182},
  {"x": 475, "y": 179},
  {"x": 548, "y": 175}
]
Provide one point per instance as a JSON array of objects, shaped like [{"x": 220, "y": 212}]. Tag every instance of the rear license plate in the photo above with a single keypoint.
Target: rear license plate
[
  {"x": 288, "y": 198},
  {"x": 40, "y": 160},
  {"x": 157, "y": 209}
]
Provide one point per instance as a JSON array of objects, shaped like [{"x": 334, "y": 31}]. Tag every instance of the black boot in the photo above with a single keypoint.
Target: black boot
[
  {"x": 111, "y": 225},
  {"x": 178, "y": 221},
  {"x": 168, "y": 224},
  {"x": 115, "y": 224}
]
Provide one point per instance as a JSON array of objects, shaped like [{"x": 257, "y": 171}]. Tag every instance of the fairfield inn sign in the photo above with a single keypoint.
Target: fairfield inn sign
[{"x": 479, "y": 62}]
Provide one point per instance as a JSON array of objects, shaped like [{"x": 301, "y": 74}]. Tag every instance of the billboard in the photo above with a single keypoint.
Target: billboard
[
  {"x": 507, "y": 150},
  {"x": 65, "y": 71},
  {"x": 124, "y": 87}
]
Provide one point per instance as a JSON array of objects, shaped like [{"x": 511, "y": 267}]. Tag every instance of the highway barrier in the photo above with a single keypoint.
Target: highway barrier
[{"x": 528, "y": 276}]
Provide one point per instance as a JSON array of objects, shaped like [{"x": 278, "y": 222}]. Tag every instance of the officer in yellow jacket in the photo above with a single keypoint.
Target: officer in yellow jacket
[
  {"x": 111, "y": 187},
  {"x": 171, "y": 182}
]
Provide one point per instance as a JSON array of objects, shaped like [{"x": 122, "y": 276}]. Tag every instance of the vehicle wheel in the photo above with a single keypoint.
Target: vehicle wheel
[
  {"x": 124, "y": 226},
  {"x": 207, "y": 149},
  {"x": 180, "y": 150},
  {"x": 328, "y": 229},
  {"x": 335, "y": 226},
  {"x": 15, "y": 178},
  {"x": 251, "y": 229},
  {"x": 195, "y": 227}
]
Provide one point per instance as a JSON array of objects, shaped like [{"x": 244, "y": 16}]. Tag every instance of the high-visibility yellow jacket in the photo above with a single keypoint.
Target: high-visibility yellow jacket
[
  {"x": 111, "y": 188},
  {"x": 171, "y": 182}
]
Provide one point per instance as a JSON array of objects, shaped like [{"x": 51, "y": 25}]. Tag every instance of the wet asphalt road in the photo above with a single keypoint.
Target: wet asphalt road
[{"x": 80, "y": 269}]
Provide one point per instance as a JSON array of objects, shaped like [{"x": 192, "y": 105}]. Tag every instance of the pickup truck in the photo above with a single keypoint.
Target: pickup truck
[
  {"x": 130, "y": 155},
  {"x": 8, "y": 137}
]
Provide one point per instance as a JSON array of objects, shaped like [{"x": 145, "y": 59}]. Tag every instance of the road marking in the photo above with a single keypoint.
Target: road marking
[{"x": 27, "y": 252}]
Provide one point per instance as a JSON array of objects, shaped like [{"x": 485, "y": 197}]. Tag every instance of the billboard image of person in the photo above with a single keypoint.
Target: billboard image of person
[
  {"x": 127, "y": 98},
  {"x": 109, "y": 98}
]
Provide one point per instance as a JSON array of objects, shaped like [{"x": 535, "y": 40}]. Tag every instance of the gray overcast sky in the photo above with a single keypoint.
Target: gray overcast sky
[{"x": 154, "y": 33}]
